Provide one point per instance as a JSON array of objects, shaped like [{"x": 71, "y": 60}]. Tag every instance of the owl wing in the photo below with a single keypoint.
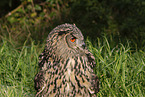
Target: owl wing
[
  {"x": 95, "y": 79},
  {"x": 42, "y": 59},
  {"x": 39, "y": 79},
  {"x": 95, "y": 83}
]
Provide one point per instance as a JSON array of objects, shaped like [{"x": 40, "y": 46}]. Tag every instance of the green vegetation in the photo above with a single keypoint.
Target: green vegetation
[
  {"x": 17, "y": 70},
  {"x": 116, "y": 36},
  {"x": 121, "y": 73}
]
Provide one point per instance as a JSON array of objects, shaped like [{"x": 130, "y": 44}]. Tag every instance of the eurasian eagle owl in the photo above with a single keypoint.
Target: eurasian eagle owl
[{"x": 66, "y": 65}]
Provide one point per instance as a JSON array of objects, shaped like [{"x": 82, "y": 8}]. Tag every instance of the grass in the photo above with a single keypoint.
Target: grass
[
  {"x": 121, "y": 72},
  {"x": 17, "y": 70}
]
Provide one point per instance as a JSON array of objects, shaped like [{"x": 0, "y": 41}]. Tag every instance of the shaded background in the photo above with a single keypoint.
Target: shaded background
[{"x": 121, "y": 21}]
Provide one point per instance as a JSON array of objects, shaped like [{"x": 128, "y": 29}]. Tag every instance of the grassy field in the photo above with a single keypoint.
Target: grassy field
[
  {"x": 120, "y": 54},
  {"x": 121, "y": 72}
]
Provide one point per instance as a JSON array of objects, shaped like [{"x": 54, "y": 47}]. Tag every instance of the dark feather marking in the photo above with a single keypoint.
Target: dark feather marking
[
  {"x": 62, "y": 32},
  {"x": 59, "y": 66}
]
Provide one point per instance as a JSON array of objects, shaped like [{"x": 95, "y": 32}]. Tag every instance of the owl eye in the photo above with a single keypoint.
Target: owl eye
[{"x": 73, "y": 39}]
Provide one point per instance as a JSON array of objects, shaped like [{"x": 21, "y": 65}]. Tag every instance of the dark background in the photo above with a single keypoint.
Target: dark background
[{"x": 120, "y": 21}]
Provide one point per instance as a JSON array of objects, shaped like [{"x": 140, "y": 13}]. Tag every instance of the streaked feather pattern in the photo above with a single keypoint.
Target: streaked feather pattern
[{"x": 66, "y": 71}]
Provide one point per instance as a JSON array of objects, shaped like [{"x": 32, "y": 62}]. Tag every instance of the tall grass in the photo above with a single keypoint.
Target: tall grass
[
  {"x": 17, "y": 70},
  {"x": 121, "y": 72}
]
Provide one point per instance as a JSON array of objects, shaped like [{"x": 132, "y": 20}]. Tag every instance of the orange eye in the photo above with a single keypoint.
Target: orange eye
[{"x": 73, "y": 40}]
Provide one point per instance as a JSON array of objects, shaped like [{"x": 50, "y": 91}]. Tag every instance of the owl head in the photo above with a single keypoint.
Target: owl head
[{"x": 65, "y": 41}]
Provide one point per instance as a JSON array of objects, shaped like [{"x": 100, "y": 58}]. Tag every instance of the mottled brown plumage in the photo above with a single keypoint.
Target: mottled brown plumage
[{"x": 66, "y": 65}]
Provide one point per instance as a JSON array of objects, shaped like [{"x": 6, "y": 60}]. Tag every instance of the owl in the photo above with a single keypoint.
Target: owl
[{"x": 66, "y": 65}]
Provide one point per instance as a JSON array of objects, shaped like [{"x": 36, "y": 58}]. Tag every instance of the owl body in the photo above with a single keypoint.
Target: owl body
[{"x": 66, "y": 69}]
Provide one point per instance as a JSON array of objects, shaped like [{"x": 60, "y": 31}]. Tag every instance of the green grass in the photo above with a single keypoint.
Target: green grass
[
  {"x": 17, "y": 70},
  {"x": 121, "y": 73}
]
